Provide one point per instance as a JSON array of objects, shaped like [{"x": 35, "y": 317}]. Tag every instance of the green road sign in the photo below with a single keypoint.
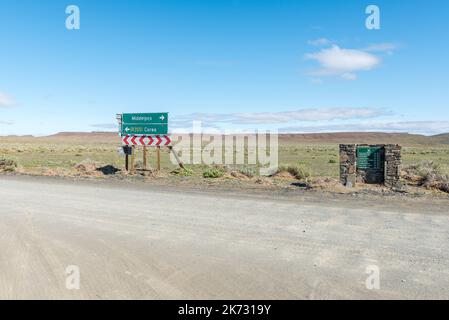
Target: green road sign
[
  {"x": 370, "y": 158},
  {"x": 141, "y": 124}
]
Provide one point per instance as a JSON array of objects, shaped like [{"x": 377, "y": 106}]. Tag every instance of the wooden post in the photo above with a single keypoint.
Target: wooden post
[
  {"x": 176, "y": 157},
  {"x": 158, "y": 158},
  {"x": 145, "y": 157},
  {"x": 132, "y": 159}
]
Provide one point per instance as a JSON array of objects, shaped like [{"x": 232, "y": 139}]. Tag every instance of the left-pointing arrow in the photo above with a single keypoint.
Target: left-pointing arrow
[
  {"x": 125, "y": 140},
  {"x": 133, "y": 140}
]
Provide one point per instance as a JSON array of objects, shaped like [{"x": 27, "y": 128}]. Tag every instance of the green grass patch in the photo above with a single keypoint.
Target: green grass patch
[
  {"x": 183, "y": 172},
  {"x": 213, "y": 173}
]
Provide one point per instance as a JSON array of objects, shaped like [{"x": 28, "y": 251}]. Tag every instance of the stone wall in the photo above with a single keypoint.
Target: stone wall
[
  {"x": 350, "y": 175},
  {"x": 348, "y": 162},
  {"x": 393, "y": 164}
]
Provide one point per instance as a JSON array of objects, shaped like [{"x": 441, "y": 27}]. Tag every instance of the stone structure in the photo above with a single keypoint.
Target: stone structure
[
  {"x": 375, "y": 164},
  {"x": 348, "y": 162},
  {"x": 393, "y": 163}
]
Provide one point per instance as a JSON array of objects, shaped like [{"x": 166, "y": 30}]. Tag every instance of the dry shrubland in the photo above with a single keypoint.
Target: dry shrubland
[
  {"x": 7, "y": 165},
  {"x": 427, "y": 174}
]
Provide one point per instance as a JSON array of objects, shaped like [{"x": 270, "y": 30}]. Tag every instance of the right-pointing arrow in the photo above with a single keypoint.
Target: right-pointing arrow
[
  {"x": 168, "y": 140},
  {"x": 159, "y": 141}
]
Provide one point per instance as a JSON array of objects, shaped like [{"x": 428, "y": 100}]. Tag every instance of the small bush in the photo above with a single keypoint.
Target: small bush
[
  {"x": 87, "y": 166},
  {"x": 442, "y": 186},
  {"x": 138, "y": 165},
  {"x": 297, "y": 171},
  {"x": 183, "y": 172},
  {"x": 213, "y": 173},
  {"x": 427, "y": 174},
  {"x": 332, "y": 161},
  {"x": 7, "y": 165},
  {"x": 249, "y": 172},
  {"x": 422, "y": 172}
]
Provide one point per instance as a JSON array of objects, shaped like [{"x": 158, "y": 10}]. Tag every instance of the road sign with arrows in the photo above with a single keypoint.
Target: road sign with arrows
[
  {"x": 144, "y": 124},
  {"x": 150, "y": 141},
  {"x": 147, "y": 130}
]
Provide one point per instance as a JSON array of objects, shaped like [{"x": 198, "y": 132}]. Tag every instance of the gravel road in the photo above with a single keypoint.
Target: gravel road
[{"x": 141, "y": 242}]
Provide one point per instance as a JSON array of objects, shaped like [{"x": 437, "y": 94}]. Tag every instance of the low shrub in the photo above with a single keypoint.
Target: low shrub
[
  {"x": 183, "y": 172},
  {"x": 7, "y": 165},
  {"x": 213, "y": 173},
  {"x": 247, "y": 171},
  {"x": 427, "y": 174},
  {"x": 298, "y": 171},
  {"x": 423, "y": 172},
  {"x": 87, "y": 166}
]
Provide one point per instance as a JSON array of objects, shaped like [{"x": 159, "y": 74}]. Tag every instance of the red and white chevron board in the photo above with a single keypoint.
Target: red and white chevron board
[{"x": 152, "y": 141}]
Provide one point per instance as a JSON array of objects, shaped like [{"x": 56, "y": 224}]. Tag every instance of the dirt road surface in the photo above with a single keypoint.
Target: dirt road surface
[{"x": 142, "y": 242}]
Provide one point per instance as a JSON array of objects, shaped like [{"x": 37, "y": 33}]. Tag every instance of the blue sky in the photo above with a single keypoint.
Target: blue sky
[{"x": 298, "y": 66}]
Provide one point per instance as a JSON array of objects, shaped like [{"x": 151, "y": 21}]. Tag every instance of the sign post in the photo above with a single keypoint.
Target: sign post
[
  {"x": 158, "y": 158},
  {"x": 147, "y": 130},
  {"x": 145, "y": 157},
  {"x": 133, "y": 159}
]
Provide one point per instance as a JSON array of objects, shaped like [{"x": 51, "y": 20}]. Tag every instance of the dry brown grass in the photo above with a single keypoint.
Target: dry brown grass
[
  {"x": 312, "y": 159},
  {"x": 427, "y": 174}
]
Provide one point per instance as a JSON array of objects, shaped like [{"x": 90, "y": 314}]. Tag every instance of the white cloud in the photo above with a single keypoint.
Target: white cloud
[
  {"x": 105, "y": 126},
  {"x": 349, "y": 76},
  {"x": 7, "y": 101},
  {"x": 421, "y": 127},
  {"x": 324, "y": 114},
  {"x": 321, "y": 42},
  {"x": 308, "y": 115},
  {"x": 344, "y": 63}
]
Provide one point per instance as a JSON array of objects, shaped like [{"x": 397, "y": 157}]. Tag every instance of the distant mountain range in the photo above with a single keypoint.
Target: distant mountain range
[
  {"x": 368, "y": 137},
  {"x": 340, "y": 137}
]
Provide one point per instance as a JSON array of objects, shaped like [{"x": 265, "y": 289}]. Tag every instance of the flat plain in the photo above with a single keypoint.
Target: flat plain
[{"x": 317, "y": 153}]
